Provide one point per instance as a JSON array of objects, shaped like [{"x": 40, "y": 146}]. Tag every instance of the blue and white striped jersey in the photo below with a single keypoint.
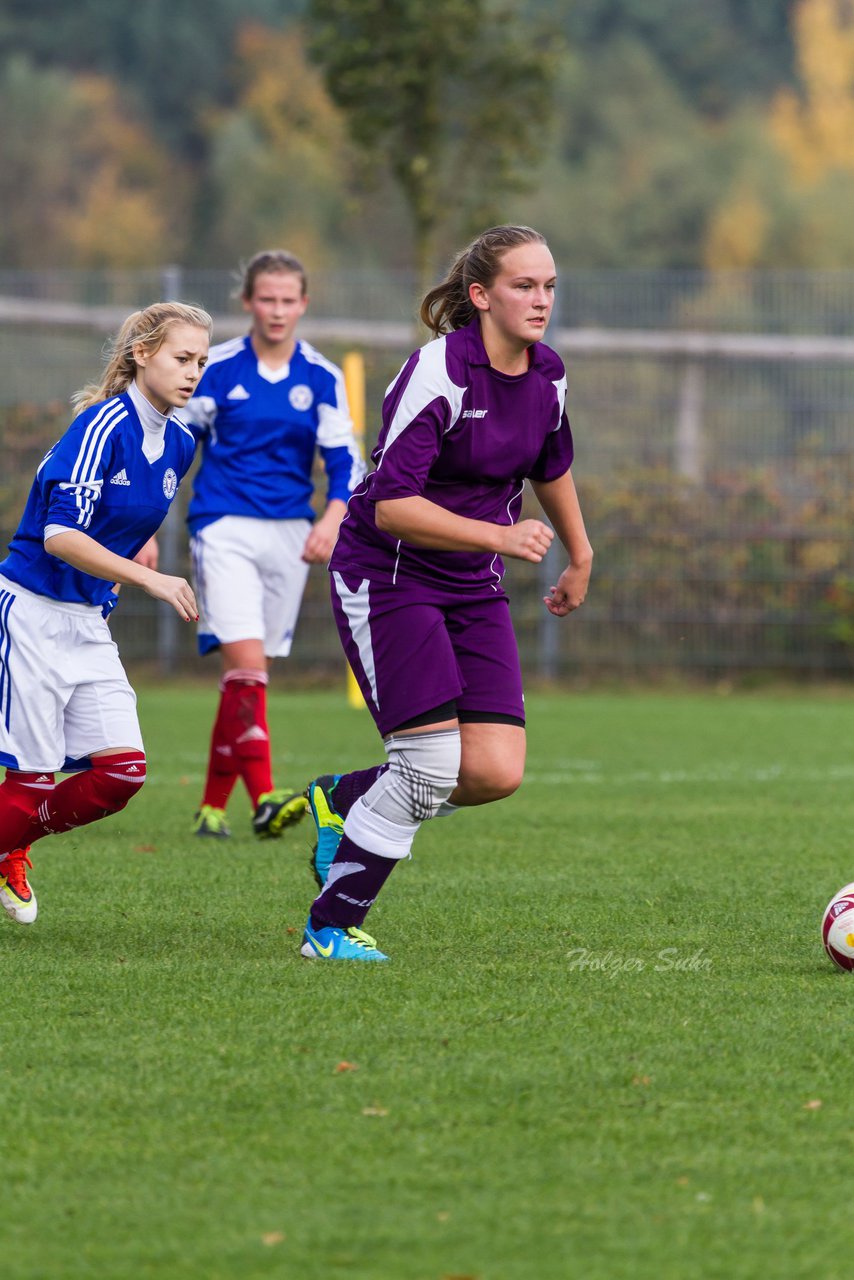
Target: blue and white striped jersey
[
  {"x": 260, "y": 429},
  {"x": 98, "y": 480}
]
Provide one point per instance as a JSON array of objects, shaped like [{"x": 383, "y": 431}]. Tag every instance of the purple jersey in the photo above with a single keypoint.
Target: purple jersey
[{"x": 462, "y": 435}]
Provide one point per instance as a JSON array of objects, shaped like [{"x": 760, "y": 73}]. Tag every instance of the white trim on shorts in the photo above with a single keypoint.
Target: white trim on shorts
[{"x": 357, "y": 610}]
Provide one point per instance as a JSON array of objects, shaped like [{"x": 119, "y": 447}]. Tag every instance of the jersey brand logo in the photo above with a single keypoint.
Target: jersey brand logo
[
  {"x": 170, "y": 483},
  {"x": 238, "y": 393},
  {"x": 121, "y": 477},
  {"x": 475, "y": 413}
]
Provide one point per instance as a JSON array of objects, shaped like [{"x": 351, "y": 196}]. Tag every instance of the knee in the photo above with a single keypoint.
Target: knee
[
  {"x": 116, "y": 780},
  {"x": 422, "y": 773},
  {"x": 481, "y": 785}
]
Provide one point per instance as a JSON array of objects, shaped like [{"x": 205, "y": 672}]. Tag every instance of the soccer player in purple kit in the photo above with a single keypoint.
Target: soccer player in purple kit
[
  {"x": 267, "y": 404},
  {"x": 417, "y": 569},
  {"x": 98, "y": 497}
]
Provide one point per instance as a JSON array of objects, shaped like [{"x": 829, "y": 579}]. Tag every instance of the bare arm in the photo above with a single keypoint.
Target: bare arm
[
  {"x": 425, "y": 524},
  {"x": 82, "y": 552},
  {"x": 559, "y": 500}
]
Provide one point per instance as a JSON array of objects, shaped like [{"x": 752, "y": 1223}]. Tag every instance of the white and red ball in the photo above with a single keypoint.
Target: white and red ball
[{"x": 837, "y": 928}]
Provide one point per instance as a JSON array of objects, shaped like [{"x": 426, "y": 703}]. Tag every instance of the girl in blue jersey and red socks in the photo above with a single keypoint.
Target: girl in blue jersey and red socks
[
  {"x": 98, "y": 497},
  {"x": 267, "y": 404},
  {"x": 417, "y": 569}
]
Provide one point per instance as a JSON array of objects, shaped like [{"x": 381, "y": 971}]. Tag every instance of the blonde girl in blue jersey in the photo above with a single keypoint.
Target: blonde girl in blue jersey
[
  {"x": 267, "y": 405},
  {"x": 98, "y": 497}
]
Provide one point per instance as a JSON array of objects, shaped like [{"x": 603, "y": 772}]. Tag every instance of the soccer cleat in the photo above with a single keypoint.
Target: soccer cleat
[
  {"x": 332, "y": 943},
  {"x": 211, "y": 822},
  {"x": 329, "y": 823},
  {"x": 15, "y": 894},
  {"x": 277, "y": 810}
]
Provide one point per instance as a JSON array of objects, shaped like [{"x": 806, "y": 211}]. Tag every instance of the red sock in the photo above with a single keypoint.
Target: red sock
[
  {"x": 85, "y": 797},
  {"x": 242, "y": 726},
  {"x": 222, "y": 767},
  {"x": 20, "y": 797},
  {"x": 257, "y": 777},
  {"x": 252, "y": 741}
]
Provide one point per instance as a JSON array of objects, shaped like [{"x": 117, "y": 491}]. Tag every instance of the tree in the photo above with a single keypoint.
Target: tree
[
  {"x": 454, "y": 98},
  {"x": 716, "y": 52},
  {"x": 815, "y": 130},
  {"x": 172, "y": 59},
  {"x": 98, "y": 190},
  {"x": 789, "y": 198},
  {"x": 277, "y": 158},
  {"x": 630, "y": 175}
]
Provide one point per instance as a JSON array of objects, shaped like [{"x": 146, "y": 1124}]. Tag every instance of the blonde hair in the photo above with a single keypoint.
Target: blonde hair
[
  {"x": 447, "y": 305},
  {"x": 147, "y": 328},
  {"x": 271, "y": 261}
]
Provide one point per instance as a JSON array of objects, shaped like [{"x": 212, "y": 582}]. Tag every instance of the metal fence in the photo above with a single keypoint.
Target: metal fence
[{"x": 715, "y": 456}]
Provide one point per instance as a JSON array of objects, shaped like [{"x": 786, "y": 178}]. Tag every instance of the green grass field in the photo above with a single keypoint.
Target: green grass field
[{"x": 609, "y": 1043}]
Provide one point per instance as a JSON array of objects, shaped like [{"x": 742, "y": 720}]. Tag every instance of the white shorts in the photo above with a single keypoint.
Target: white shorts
[
  {"x": 249, "y": 579},
  {"x": 63, "y": 690}
]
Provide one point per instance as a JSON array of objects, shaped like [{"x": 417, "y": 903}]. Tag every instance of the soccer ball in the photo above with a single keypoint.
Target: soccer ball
[{"x": 837, "y": 928}]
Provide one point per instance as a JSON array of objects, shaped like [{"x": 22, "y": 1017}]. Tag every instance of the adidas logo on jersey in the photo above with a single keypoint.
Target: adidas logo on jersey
[
  {"x": 238, "y": 393},
  {"x": 121, "y": 477}
]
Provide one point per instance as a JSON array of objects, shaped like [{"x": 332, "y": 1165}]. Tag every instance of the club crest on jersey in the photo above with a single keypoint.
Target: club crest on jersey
[
  {"x": 170, "y": 483},
  {"x": 301, "y": 397}
]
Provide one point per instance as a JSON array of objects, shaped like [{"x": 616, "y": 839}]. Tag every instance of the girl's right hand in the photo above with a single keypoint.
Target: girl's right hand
[
  {"x": 528, "y": 540},
  {"x": 175, "y": 591}
]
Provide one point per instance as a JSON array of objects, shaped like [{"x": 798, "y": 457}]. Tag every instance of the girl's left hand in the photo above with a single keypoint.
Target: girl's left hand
[{"x": 570, "y": 590}]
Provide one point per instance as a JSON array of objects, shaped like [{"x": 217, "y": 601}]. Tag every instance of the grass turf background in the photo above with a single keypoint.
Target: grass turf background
[{"x": 609, "y": 1043}]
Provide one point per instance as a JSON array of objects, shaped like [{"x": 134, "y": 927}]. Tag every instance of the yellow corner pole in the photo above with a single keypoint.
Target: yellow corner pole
[{"x": 353, "y": 368}]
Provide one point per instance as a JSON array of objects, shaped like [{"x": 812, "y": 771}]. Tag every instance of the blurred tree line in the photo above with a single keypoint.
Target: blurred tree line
[{"x": 653, "y": 133}]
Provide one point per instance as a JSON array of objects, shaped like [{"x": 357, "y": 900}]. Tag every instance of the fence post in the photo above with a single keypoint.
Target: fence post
[
  {"x": 171, "y": 283},
  {"x": 688, "y": 441}
]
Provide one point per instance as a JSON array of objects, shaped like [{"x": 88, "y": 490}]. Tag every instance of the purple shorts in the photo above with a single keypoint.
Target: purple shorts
[{"x": 415, "y": 649}]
